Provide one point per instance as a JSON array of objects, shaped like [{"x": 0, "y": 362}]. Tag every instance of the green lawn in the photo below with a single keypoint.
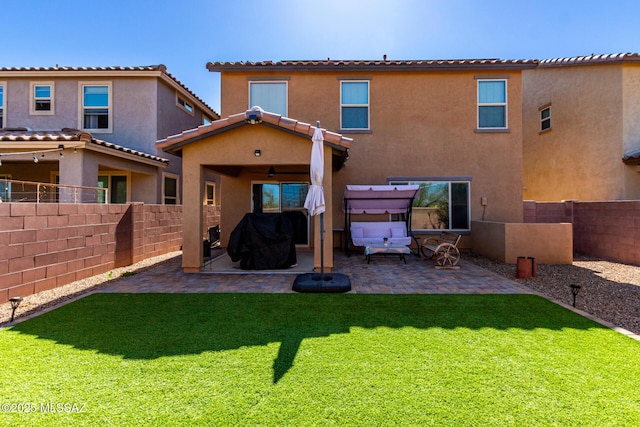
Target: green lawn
[{"x": 317, "y": 359}]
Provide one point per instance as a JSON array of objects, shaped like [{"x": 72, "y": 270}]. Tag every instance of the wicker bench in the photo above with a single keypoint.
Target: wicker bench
[{"x": 443, "y": 248}]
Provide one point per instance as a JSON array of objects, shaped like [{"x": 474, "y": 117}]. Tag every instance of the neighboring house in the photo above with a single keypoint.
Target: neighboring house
[
  {"x": 453, "y": 127},
  {"x": 581, "y": 131},
  {"x": 96, "y": 127}
]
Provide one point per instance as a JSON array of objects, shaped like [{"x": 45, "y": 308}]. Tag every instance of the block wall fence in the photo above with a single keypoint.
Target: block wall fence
[
  {"x": 608, "y": 230},
  {"x": 47, "y": 245}
]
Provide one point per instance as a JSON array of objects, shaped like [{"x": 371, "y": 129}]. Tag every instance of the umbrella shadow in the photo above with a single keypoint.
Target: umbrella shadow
[{"x": 150, "y": 326}]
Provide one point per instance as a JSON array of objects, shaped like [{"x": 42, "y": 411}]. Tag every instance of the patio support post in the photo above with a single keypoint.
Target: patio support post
[{"x": 192, "y": 207}]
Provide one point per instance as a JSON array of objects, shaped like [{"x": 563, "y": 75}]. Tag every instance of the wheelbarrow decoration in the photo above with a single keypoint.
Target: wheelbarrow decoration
[{"x": 443, "y": 248}]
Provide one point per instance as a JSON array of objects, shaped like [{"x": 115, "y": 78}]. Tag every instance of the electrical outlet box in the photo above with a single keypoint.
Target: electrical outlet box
[{"x": 483, "y": 201}]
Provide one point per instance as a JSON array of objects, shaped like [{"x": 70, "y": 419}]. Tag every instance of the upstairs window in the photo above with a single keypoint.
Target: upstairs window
[
  {"x": 184, "y": 104},
  {"x": 492, "y": 104},
  {"x": 354, "y": 105},
  {"x": 42, "y": 98},
  {"x": 270, "y": 96},
  {"x": 2, "y": 86},
  {"x": 96, "y": 107},
  {"x": 545, "y": 118}
]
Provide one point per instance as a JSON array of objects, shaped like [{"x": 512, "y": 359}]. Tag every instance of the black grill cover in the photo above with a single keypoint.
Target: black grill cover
[{"x": 263, "y": 242}]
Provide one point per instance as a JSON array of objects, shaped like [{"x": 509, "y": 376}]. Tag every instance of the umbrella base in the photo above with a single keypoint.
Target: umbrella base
[{"x": 327, "y": 283}]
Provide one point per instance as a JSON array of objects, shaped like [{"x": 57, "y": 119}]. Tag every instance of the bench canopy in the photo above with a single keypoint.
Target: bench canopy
[{"x": 379, "y": 199}]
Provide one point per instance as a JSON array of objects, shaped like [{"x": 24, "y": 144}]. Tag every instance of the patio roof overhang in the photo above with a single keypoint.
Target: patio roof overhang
[
  {"x": 257, "y": 117},
  {"x": 17, "y": 141}
]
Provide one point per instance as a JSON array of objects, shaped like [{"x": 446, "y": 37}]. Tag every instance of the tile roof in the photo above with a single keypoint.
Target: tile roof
[
  {"x": 68, "y": 135},
  {"x": 418, "y": 65},
  {"x": 590, "y": 59},
  {"x": 379, "y": 65},
  {"x": 161, "y": 68},
  {"x": 174, "y": 142}
]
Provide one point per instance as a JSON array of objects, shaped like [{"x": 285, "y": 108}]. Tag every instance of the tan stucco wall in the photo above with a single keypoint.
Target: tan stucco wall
[
  {"x": 505, "y": 242},
  {"x": 283, "y": 150},
  {"x": 422, "y": 125},
  {"x": 595, "y": 119}
]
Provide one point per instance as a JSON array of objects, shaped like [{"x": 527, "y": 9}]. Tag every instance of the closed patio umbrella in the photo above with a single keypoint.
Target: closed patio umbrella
[{"x": 314, "y": 203}]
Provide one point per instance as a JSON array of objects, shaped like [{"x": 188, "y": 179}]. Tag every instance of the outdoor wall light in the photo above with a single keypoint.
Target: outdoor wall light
[
  {"x": 35, "y": 159},
  {"x": 272, "y": 172},
  {"x": 574, "y": 291},
  {"x": 15, "y": 302},
  {"x": 257, "y": 153}
]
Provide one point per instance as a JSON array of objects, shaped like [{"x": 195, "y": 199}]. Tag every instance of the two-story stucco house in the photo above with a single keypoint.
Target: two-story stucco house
[
  {"x": 454, "y": 127},
  {"x": 96, "y": 127},
  {"x": 581, "y": 135}
]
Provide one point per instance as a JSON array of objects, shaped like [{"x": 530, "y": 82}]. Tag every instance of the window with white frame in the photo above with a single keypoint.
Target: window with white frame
[
  {"x": 440, "y": 204},
  {"x": 96, "y": 111},
  {"x": 545, "y": 118},
  {"x": 210, "y": 196},
  {"x": 3, "y": 85},
  {"x": 42, "y": 98},
  {"x": 271, "y": 96},
  {"x": 116, "y": 185},
  {"x": 354, "y": 105},
  {"x": 170, "y": 189},
  {"x": 492, "y": 104},
  {"x": 184, "y": 104}
]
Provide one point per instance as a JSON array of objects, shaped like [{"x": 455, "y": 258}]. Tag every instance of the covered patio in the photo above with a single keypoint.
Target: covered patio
[{"x": 262, "y": 160}]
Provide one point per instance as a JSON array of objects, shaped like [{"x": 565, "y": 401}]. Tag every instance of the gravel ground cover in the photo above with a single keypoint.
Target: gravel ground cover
[{"x": 608, "y": 290}]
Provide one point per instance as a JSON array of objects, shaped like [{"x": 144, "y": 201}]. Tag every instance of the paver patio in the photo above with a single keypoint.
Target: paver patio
[{"x": 382, "y": 276}]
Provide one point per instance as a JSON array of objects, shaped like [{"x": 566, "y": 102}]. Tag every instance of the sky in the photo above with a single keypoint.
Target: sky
[{"x": 186, "y": 34}]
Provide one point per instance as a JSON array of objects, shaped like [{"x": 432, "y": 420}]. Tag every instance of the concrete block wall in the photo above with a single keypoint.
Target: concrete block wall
[
  {"x": 44, "y": 246},
  {"x": 607, "y": 229}
]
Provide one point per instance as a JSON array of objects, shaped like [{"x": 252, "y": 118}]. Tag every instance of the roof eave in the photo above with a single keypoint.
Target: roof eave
[{"x": 445, "y": 66}]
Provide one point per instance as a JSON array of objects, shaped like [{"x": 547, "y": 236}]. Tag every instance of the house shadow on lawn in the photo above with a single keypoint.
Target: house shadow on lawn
[{"x": 149, "y": 326}]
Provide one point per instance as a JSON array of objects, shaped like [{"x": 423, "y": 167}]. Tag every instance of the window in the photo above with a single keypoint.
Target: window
[
  {"x": 206, "y": 120},
  {"x": 184, "y": 104},
  {"x": 442, "y": 205},
  {"x": 170, "y": 190},
  {"x": 42, "y": 94},
  {"x": 492, "y": 104},
  {"x": 211, "y": 194},
  {"x": 545, "y": 118},
  {"x": 286, "y": 198},
  {"x": 270, "y": 96},
  {"x": 116, "y": 186},
  {"x": 354, "y": 105},
  {"x": 2, "y": 86},
  {"x": 96, "y": 107}
]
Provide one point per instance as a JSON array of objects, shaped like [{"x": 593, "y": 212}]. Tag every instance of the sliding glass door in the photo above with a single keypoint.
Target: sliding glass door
[{"x": 286, "y": 198}]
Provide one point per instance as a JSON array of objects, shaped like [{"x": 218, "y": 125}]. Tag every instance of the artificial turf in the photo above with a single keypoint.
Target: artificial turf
[{"x": 316, "y": 359}]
